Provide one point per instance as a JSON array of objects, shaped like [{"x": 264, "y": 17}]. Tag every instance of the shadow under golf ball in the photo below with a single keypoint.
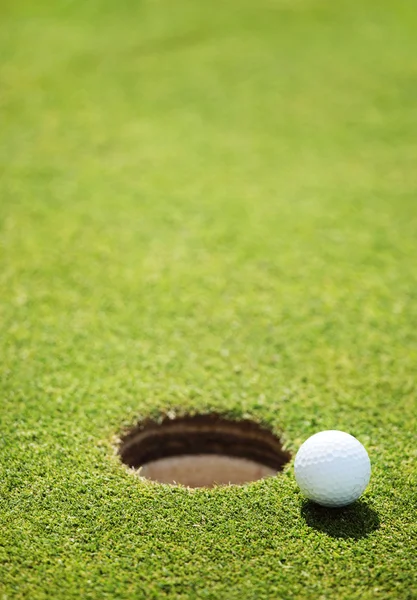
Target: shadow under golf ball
[{"x": 355, "y": 521}]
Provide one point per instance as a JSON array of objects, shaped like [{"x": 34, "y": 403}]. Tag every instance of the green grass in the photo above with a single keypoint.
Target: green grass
[{"x": 205, "y": 206}]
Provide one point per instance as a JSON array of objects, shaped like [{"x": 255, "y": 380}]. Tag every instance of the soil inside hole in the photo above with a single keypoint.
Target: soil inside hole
[{"x": 202, "y": 451}]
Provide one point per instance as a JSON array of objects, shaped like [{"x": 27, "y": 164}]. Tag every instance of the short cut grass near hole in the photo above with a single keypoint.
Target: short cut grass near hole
[{"x": 202, "y": 451}]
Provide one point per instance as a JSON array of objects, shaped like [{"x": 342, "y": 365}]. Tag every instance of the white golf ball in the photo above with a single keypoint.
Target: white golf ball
[{"x": 332, "y": 468}]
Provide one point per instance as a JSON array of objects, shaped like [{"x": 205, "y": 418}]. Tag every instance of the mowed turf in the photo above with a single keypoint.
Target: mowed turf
[{"x": 206, "y": 206}]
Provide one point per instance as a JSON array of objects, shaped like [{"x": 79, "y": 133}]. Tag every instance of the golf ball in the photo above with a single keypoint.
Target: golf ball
[{"x": 332, "y": 468}]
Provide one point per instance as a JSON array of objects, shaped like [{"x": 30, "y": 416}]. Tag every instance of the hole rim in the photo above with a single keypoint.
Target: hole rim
[{"x": 196, "y": 434}]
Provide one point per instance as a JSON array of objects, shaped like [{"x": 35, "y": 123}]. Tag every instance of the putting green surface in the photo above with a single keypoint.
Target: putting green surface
[{"x": 205, "y": 206}]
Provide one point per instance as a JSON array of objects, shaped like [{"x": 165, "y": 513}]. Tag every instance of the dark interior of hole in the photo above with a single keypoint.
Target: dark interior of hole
[{"x": 202, "y": 434}]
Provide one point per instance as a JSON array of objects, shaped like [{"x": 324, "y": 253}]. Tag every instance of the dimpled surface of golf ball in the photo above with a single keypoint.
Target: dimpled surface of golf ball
[{"x": 332, "y": 468}]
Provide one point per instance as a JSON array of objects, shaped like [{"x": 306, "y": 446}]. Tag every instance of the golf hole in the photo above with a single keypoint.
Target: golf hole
[{"x": 202, "y": 451}]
